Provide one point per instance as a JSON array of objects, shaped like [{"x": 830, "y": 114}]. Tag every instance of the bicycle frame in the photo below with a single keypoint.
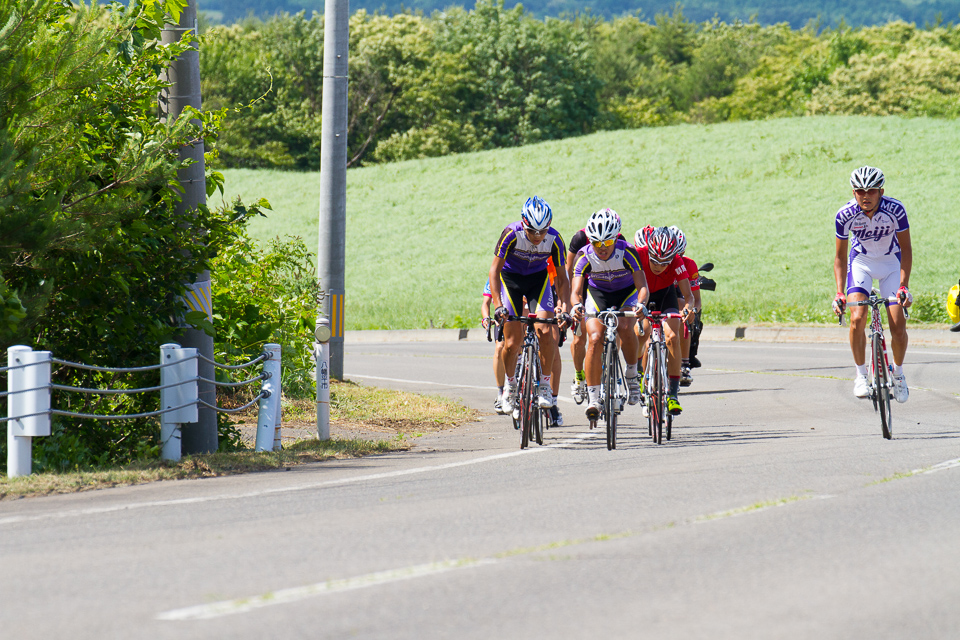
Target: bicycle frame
[
  {"x": 527, "y": 413},
  {"x": 656, "y": 378},
  {"x": 881, "y": 373},
  {"x": 613, "y": 389}
]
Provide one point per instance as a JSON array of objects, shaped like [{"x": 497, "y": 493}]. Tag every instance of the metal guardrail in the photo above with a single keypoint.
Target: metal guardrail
[{"x": 29, "y": 390}]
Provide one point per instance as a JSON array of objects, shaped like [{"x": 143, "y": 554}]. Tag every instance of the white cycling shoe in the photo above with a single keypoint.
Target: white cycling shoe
[
  {"x": 579, "y": 391},
  {"x": 900, "y": 390},
  {"x": 861, "y": 388},
  {"x": 633, "y": 385},
  {"x": 545, "y": 397},
  {"x": 506, "y": 402}
]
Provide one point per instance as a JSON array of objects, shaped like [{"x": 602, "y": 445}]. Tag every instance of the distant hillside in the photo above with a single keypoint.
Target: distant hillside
[{"x": 798, "y": 12}]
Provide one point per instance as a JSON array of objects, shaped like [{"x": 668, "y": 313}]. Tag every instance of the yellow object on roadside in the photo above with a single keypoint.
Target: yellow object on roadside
[{"x": 952, "y": 309}]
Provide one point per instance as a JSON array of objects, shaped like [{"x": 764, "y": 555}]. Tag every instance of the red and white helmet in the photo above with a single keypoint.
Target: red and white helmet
[
  {"x": 680, "y": 238},
  {"x": 663, "y": 245},
  {"x": 642, "y": 236}
]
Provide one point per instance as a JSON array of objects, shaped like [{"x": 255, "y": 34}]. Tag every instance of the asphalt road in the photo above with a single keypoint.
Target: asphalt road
[{"x": 777, "y": 511}]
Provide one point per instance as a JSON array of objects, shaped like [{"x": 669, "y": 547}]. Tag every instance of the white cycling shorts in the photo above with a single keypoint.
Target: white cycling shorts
[{"x": 863, "y": 270}]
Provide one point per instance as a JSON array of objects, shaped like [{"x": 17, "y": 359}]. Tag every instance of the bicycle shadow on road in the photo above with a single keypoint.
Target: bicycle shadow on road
[{"x": 726, "y": 391}]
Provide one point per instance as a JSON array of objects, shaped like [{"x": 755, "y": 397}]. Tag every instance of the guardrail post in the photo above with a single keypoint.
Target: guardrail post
[
  {"x": 29, "y": 394},
  {"x": 277, "y": 432},
  {"x": 269, "y": 405},
  {"x": 179, "y": 373}
]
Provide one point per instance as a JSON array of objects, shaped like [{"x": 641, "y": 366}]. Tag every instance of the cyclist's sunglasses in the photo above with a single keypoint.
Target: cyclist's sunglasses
[
  {"x": 536, "y": 232},
  {"x": 603, "y": 243},
  {"x": 863, "y": 192},
  {"x": 660, "y": 264}
]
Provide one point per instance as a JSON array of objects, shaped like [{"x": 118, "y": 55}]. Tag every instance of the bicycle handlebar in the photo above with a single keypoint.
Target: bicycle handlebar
[
  {"x": 530, "y": 319},
  {"x": 873, "y": 300}
]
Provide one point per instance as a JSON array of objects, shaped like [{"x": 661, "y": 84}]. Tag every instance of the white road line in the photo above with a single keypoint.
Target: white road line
[
  {"x": 437, "y": 384},
  {"x": 949, "y": 464},
  {"x": 241, "y": 605},
  {"x": 304, "y": 487},
  {"x": 490, "y": 388}
]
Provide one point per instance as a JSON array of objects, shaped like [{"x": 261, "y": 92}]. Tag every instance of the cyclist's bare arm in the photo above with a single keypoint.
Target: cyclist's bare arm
[
  {"x": 687, "y": 311},
  {"x": 640, "y": 282},
  {"x": 840, "y": 265},
  {"x": 575, "y": 297},
  {"x": 495, "y": 269},
  {"x": 906, "y": 259}
]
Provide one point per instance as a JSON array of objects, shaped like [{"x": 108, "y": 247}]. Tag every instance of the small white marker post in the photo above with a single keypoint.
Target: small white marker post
[{"x": 323, "y": 378}]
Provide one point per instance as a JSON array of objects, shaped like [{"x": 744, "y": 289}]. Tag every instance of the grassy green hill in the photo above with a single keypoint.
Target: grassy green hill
[{"x": 756, "y": 198}]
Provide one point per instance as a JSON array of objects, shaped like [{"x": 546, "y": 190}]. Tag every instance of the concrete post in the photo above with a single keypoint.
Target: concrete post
[
  {"x": 331, "y": 251},
  {"x": 200, "y": 436}
]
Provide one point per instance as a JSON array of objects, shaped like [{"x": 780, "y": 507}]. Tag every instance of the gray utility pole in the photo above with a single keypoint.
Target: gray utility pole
[
  {"x": 184, "y": 76},
  {"x": 331, "y": 251}
]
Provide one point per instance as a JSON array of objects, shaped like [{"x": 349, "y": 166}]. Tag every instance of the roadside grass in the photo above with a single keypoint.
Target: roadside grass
[
  {"x": 395, "y": 414},
  {"x": 756, "y": 198}
]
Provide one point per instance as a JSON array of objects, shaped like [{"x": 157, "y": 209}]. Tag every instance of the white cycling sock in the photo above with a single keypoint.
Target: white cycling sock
[
  {"x": 861, "y": 370},
  {"x": 898, "y": 369},
  {"x": 631, "y": 371},
  {"x": 594, "y": 394}
]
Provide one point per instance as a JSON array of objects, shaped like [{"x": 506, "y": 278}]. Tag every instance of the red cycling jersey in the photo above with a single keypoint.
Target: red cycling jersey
[
  {"x": 676, "y": 271},
  {"x": 693, "y": 274}
]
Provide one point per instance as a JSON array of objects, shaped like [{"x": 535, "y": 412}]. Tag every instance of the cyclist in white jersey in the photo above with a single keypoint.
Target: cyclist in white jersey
[{"x": 875, "y": 229}]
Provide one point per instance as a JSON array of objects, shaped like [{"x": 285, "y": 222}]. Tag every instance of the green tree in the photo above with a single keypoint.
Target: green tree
[{"x": 91, "y": 245}]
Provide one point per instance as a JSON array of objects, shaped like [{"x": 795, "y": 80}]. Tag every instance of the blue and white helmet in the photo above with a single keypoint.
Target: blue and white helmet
[
  {"x": 536, "y": 214},
  {"x": 867, "y": 178}
]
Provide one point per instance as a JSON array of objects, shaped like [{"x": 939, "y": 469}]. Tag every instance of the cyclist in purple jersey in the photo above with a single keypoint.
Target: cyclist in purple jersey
[
  {"x": 614, "y": 279},
  {"x": 519, "y": 271},
  {"x": 879, "y": 250},
  {"x": 578, "y": 343}
]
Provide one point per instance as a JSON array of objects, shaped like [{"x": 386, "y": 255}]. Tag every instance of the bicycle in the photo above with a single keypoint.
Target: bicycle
[
  {"x": 656, "y": 381},
  {"x": 612, "y": 387},
  {"x": 881, "y": 374},
  {"x": 528, "y": 417}
]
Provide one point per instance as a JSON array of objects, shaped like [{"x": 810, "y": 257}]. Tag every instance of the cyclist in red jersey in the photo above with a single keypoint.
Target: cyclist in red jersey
[
  {"x": 664, "y": 268},
  {"x": 693, "y": 275}
]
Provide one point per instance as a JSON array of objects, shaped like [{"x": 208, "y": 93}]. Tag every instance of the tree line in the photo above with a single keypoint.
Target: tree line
[
  {"x": 491, "y": 77},
  {"x": 797, "y": 14}
]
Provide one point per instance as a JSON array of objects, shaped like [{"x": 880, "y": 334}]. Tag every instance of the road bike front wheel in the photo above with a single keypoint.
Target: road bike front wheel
[
  {"x": 881, "y": 382},
  {"x": 656, "y": 398},
  {"x": 611, "y": 404}
]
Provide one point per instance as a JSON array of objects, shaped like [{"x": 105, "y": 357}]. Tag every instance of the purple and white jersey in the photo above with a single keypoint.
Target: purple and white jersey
[
  {"x": 523, "y": 257},
  {"x": 875, "y": 236},
  {"x": 613, "y": 274}
]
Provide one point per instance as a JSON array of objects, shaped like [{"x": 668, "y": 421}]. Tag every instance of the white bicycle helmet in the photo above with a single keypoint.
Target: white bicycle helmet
[
  {"x": 642, "y": 236},
  {"x": 681, "y": 238},
  {"x": 536, "y": 214},
  {"x": 867, "y": 178},
  {"x": 603, "y": 225}
]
